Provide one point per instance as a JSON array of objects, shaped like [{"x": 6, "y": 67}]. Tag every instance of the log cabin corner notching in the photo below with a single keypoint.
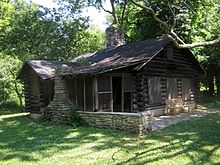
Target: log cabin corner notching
[
  {"x": 38, "y": 80},
  {"x": 132, "y": 78}
]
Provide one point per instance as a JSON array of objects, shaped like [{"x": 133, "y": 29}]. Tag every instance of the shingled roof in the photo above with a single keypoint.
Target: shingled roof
[
  {"x": 137, "y": 53},
  {"x": 44, "y": 69},
  {"x": 119, "y": 57}
]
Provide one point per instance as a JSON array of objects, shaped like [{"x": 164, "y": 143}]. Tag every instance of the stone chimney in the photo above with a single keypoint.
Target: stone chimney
[
  {"x": 114, "y": 37},
  {"x": 60, "y": 105}
]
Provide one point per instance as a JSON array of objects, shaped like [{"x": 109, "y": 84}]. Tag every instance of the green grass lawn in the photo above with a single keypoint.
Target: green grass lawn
[
  {"x": 28, "y": 141},
  {"x": 210, "y": 102}
]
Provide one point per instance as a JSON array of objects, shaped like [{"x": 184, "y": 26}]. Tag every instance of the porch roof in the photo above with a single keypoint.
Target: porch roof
[{"x": 44, "y": 69}]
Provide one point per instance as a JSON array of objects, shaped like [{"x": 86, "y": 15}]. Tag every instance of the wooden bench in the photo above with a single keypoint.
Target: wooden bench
[{"x": 174, "y": 106}]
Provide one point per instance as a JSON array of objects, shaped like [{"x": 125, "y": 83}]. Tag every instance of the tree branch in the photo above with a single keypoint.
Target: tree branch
[
  {"x": 177, "y": 41},
  {"x": 176, "y": 37},
  {"x": 165, "y": 25},
  {"x": 173, "y": 16},
  {"x": 107, "y": 11},
  {"x": 123, "y": 12},
  {"x": 193, "y": 45},
  {"x": 113, "y": 11}
]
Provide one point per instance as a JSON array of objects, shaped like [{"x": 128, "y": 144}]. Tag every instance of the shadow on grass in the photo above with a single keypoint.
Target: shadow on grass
[
  {"x": 22, "y": 137},
  {"x": 9, "y": 108},
  {"x": 210, "y": 102},
  {"x": 197, "y": 141}
]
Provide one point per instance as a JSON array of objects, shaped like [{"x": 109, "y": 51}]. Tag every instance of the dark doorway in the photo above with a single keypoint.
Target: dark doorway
[{"x": 117, "y": 93}]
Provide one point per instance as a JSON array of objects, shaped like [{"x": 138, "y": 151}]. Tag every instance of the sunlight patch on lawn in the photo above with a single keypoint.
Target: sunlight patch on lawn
[{"x": 13, "y": 115}]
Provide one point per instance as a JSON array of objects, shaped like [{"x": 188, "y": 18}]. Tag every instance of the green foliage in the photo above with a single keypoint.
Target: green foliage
[
  {"x": 47, "y": 113},
  {"x": 29, "y": 31},
  {"x": 5, "y": 12},
  {"x": 75, "y": 119},
  {"x": 36, "y": 32},
  {"x": 210, "y": 102},
  {"x": 93, "y": 39},
  {"x": 139, "y": 26},
  {"x": 9, "y": 67}
]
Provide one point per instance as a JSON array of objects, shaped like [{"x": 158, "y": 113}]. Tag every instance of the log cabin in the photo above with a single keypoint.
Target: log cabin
[
  {"x": 130, "y": 78},
  {"x": 133, "y": 78},
  {"x": 122, "y": 79}
]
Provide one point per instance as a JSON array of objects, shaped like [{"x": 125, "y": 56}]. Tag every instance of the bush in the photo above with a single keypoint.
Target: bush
[
  {"x": 47, "y": 113},
  {"x": 75, "y": 119}
]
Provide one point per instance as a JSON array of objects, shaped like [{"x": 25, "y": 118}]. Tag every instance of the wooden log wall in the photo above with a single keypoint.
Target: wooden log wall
[
  {"x": 34, "y": 92},
  {"x": 179, "y": 65},
  {"x": 179, "y": 87},
  {"x": 27, "y": 92},
  {"x": 138, "y": 93},
  {"x": 163, "y": 88},
  {"x": 41, "y": 95}
]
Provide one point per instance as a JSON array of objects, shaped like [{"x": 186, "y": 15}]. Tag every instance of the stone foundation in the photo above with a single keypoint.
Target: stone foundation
[{"x": 132, "y": 122}]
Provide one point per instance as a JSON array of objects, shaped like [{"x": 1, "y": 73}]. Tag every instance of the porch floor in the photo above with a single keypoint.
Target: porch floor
[{"x": 164, "y": 121}]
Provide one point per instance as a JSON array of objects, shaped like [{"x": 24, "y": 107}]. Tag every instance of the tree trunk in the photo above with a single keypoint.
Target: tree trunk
[
  {"x": 19, "y": 94},
  {"x": 211, "y": 84},
  {"x": 19, "y": 97}
]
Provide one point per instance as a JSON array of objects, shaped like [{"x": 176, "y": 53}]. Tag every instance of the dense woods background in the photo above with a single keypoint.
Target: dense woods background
[{"x": 29, "y": 31}]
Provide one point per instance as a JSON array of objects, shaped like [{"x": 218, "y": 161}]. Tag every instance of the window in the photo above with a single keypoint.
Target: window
[
  {"x": 71, "y": 90},
  {"x": 104, "y": 93},
  {"x": 89, "y": 93},
  {"x": 127, "y": 93},
  {"x": 80, "y": 93}
]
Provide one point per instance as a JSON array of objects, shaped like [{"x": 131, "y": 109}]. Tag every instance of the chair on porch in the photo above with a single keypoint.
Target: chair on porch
[{"x": 174, "y": 106}]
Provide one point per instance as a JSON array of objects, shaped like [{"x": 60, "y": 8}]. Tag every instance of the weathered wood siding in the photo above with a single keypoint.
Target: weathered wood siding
[
  {"x": 168, "y": 70},
  {"x": 35, "y": 92},
  {"x": 38, "y": 93},
  {"x": 27, "y": 92}
]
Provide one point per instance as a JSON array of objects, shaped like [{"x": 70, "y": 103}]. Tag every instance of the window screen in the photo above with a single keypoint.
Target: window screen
[
  {"x": 104, "y": 101},
  {"x": 127, "y": 101},
  {"x": 71, "y": 90},
  {"x": 154, "y": 90},
  {"x": 80, "y": 92},
  {"x": 104, "y": 83},
  {"x": 104, "y": 93},
  {"x": 89, "y": 93},
  {"x": 127, "y": 83}
]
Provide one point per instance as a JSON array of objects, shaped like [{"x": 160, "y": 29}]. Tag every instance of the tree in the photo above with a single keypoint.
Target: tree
[
  {"x": 169, "y": 26},
  {"x": 5, "y": 11},
  {"x": 40, "y": 33},
  {"x": 168, "y": 15},
  {"x": 29, "y": 31},
  {"x": 10, "y": 86},
  {"x": 192, "y": 21}
]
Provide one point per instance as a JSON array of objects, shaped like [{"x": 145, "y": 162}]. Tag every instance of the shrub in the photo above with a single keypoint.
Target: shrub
[
  {"x": 75, "y": 119},
  {"x": 47, "y": 113}
]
